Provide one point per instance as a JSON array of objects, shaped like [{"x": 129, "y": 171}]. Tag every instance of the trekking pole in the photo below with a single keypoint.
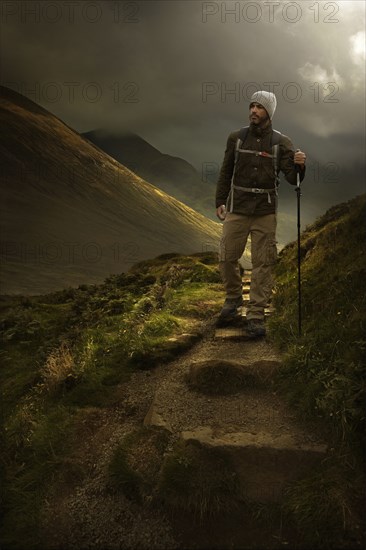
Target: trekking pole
[{"x": 298, "y": 192}]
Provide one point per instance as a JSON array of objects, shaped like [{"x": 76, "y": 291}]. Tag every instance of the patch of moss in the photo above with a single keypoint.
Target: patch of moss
[{"x": 195, "y": 299}]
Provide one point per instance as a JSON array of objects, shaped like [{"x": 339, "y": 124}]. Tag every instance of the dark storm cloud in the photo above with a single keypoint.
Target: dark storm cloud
[{"x": 180, "y": 73}]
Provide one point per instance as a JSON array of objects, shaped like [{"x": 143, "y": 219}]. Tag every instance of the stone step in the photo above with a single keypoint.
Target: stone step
[
  {"x": 232, "y": 333},
  {"x": 230, "y": 408},
  {"x": 263, "y": 463}
]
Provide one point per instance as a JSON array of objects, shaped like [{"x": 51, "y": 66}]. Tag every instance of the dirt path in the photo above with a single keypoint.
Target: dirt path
[{"x": 81, "y": 512}]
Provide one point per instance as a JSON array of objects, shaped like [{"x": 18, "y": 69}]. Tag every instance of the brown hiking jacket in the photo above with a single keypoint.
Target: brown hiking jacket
[{"x": 254, "y": 171}]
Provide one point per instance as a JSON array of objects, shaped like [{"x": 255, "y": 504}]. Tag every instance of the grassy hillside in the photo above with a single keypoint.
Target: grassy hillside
[
  {"x": 174, "y": 175},
  {"x": 67, "y": 351},
  {"x": 70, "y": 214},
  {"x": 323, "y": 375},
  {"x": 325, "y": 369}
]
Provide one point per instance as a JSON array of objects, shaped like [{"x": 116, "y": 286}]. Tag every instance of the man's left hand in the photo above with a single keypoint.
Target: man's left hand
[{"x": 300, "y": 158}]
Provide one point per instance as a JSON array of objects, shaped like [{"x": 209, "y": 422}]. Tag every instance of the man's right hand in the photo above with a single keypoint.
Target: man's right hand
[{"x": 221, "y": 212}]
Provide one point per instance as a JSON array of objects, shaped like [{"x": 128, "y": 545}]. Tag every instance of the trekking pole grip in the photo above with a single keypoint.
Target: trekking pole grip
[{"x": 298, "y": 169}]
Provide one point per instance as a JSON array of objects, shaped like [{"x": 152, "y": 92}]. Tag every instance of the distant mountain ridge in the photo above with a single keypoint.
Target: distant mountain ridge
[
  {"x": 174, "y": 175},
  {"x": 71, "y": 214}
]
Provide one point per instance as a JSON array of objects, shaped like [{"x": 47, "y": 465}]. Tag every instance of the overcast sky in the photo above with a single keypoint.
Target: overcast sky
[{"x": 180, "y": 74}]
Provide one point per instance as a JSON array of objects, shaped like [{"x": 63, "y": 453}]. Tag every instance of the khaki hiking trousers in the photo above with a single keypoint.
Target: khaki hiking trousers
[{"x": 236, "y": 230}]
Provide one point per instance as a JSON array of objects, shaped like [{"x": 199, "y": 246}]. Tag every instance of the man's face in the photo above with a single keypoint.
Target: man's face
[{"x": 257, "y": 114}]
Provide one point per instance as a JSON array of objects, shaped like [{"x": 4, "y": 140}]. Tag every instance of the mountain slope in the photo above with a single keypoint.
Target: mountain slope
[
  {"x": 71, "y": 214},
  {"x": 173, "y": 175},
  {"x": 181, "y": 180}
]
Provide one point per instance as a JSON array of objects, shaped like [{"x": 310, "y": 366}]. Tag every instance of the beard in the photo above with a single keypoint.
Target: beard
[{"x": 257, "y": 122}]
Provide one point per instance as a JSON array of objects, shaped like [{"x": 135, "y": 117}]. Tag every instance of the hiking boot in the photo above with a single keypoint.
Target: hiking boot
[
  {"x": 256, "y": 328},
  {"x": 230, "y": 310}
]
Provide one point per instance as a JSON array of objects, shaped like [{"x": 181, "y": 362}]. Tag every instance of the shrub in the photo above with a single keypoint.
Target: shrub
[
  {"x": 198, "y": 481},
  {"x": 59, "y": 368}
]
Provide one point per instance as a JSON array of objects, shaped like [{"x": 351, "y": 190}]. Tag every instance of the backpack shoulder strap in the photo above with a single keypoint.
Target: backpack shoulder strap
[
  {"x": 243, "y": 133},
  {"x": 240, "y": 139},
  {"x": 276, "y": 136}
]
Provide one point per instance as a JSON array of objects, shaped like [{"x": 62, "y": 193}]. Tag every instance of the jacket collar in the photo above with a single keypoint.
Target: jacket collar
[{"x": 261, "y": 132}]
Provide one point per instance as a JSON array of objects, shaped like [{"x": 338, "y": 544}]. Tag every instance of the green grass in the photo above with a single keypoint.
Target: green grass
[
  {"x": 69, "y": 350},
  {"x": 323, "y": 371},
  {"x": 198, "y": 481},
  {"x": 136, "y": 462},
  {"x": 322, "y": 505},
  {"x": 32, "y": 451}
]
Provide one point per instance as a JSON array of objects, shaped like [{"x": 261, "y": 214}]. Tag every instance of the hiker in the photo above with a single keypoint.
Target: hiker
[{"x": 246, "y": 201}]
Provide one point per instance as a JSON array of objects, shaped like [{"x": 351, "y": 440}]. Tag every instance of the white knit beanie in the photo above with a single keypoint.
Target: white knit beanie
[{"x": 267, "y": 99}]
